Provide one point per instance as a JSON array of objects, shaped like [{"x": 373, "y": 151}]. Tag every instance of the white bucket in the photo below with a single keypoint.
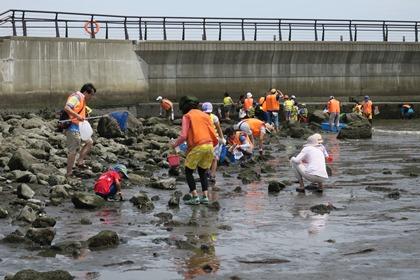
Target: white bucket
[{"x": 86, "y": 130}]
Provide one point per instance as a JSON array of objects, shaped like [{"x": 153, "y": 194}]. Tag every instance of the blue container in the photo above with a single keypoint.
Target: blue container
[
  {"x": 121, "y": 118},
  {"x": 326, "y": 127}
]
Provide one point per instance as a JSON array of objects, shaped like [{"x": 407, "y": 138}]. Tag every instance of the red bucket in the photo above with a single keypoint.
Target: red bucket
[{"x": 173, "y": 161}]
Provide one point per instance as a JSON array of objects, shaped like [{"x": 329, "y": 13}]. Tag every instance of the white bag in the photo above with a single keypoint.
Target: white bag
[{"x": 86, "y": 130}]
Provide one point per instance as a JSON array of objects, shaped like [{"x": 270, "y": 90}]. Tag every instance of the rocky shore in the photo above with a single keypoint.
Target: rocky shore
[{"x": 32, "y": 181}]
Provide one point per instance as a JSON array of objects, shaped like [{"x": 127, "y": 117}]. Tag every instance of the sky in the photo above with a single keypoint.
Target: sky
[{"x": 327, "y": 9}]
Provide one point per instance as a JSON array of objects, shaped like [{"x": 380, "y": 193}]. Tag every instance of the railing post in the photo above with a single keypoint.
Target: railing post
[
  {"x": 92, "y": 29},
  {"x": 57, "y": 30},
  {"x": 125, "y": 29},
  {"x": 386, "y": 32},
  {"x": 350, "y": 32},
  {"x": 255, "y": 31},
  {"x": 145, "y": 30},
  {"x": 355, "y": 32},
  {"x": 140, "y": 32},
  {"x": 383, "y": 31},
  {"x": 164, "y": 29},
  {"x": 24, "y": 24},
  {"x": 106, "y": 30},
  {"x": 220, "y": 31},
  {"x": 316, "y": 31},
  {"x": 280, "y": 37},
  {"x": 323, "y": 32},
  {"x": 183, "y": 31},
  {"x": 290, "y": 32},
  {"x": 67, "y": 29},
  {"x": 243, "y": 31},
  {"x": 14, "y": 24},
  {"x": 204, "y": 30},
  {"x": 416, "y": 35}
]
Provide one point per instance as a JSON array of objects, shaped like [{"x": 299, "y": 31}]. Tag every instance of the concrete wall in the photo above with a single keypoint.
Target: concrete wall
[
  {"x": 41, "y": 72},
  {"x": 311, "y": 70}
]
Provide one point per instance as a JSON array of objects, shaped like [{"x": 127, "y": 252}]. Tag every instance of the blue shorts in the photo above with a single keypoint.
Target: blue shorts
[{"x": 112, "y": 192}]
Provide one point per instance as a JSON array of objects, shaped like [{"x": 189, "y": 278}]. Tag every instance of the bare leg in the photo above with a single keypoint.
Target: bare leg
[
  {"x": 85, "y": 150},
  {"x": 71, "y": 158},
  {"x": 213, "y": 168}
]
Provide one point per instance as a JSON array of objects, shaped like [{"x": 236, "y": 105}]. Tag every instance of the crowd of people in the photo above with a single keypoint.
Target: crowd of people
[{"x": 207, "y": 144}]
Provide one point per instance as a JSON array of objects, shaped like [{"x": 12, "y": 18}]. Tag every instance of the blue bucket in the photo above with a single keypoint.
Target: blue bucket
[{"x": 121, "y": 118}]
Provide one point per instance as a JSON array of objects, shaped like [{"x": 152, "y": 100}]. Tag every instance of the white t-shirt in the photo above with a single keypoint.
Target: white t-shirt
[{"x": 312, "y": 157}]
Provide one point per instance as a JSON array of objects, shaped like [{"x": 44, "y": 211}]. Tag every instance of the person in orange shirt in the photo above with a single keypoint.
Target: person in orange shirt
[
  {"x": 333, "y": 107},
  {"x": 273, "y": 107},
  {"x": 76, "y": 109},
  {"x": 367, "y": 108},
  {"x": 254, "y": 128},
  {"x": 248, "y": 103},
  {"x": 201, "y": 138},
  {"x": 167, "y": 106}
]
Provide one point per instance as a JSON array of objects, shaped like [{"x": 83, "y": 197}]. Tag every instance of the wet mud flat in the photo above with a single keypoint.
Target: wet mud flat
[{"x": 370, "y": 232}]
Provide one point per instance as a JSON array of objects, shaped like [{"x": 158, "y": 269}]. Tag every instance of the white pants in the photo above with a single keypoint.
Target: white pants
[
  {"x": 334, "y": 119},
  {"x": 300, "y": 172}
]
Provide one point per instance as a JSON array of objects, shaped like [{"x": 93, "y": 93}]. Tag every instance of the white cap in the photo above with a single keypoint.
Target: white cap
[
  {"x": 207, "y": 107},
  {"x": 159, "y": 98},
  {"x": 248, "y": 95},
  {"x": 293, "y": 97}
]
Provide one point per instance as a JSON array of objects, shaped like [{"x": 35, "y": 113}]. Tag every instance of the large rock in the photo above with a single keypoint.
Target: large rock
[
  {"x": 108, "y": 127},
  {"x": 103, "y": 240},
  {"x": 86, "y": 200},
  {"x": 29, "y": 274},
  {"x": 356, "y": 130},
  {"x": 24, "y": 176},
  {"x": 68, "y": 248},
  {"x": 21, "y": 160},
  {"x": 163, "y": 184},
  {"x": 27, "y": 214},
  {"x": 142, "y": 202},
  {"x": 44, "y": 222},
  {"x": 248, "y": 175},
  {"x": 3, "y": 213},
  {"x": 25, "y": 192},
  {"x": 317, "y": 116},
  {"x": 41, "y": 236},
  {"x": 275, "y": 187}
]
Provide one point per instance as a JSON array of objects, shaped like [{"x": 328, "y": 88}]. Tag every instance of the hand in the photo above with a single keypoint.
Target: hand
[
  {"x": 80, "y": 118},
  {"x": 261, "y": 152},
  {"x": 222, "y": 141},
  {"x": 171, "y": 143}
]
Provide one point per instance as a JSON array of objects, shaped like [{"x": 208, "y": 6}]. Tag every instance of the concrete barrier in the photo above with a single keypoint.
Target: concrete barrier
[
  {"x": 311, "y": 70},
  {"x": 41, "y": 72}
]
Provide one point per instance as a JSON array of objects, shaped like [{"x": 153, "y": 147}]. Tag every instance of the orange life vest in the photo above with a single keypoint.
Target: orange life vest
[
  {"x": 334, "y": 106},
  {"x": 272, "y": 103},
  {"x": 80, "y": 107},
  {"x": 255, "y": 126},
  {"x": 237, "y": 141},
  {"x": 248, "y": 103},
  {"x": 263, "y": 103},
  {"x": 367, "y": 107},
  {"x": 166, "y": 104},
  {"x": 201, "y": 129}
]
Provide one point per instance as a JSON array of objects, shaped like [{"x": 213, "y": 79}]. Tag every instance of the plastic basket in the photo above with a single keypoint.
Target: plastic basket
[{"x": 173, "y": 161}]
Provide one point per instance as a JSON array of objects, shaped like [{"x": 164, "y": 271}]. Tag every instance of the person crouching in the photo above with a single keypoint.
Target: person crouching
[
  {"x": 109, "y": 183},
  {"x": 199, "y": 133},
  {"x": 309, "y": 164}
]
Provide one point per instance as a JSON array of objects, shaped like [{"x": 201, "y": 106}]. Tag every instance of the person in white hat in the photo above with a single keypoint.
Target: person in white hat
[
  {"x": 207, "y": 108},
  {"x": 167, "y": 106},
  {"x": 248, "y": 104},
  {"x": 309, "y": 164}
]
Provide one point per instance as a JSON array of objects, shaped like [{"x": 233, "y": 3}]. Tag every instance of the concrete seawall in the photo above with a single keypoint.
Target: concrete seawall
[
  {"x": 311, "y": 70},
  {"x": 41, "y": 72},
  {"x": 38, "y": 73}
]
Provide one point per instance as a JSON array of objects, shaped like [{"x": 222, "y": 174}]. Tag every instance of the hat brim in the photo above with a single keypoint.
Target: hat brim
[{"x": 125, "y": 174}]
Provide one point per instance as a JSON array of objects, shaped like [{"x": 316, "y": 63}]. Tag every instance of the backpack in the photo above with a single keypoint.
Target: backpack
[{"x": 62, "y": 117}]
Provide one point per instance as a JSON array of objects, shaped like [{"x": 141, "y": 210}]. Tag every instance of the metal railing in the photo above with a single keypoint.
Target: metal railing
[{"x": 79, "y": 25}]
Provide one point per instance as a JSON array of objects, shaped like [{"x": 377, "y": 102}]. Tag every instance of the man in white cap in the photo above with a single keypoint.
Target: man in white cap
[
  {"x": 167, "y": 106},
  {"x": 207, "y": 108},
  {"x": 248, "y": 104},
  {"x": 333, "y": 107},
  {"x": 310, "y": 164}
]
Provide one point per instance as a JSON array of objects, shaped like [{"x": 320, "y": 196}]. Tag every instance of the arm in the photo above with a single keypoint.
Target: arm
[
  {"x": 219, "y": 131},
  {"x": 299, "y": 158},
  {"x": 184, "y": 131},
  {"x": 160, "y": 110},
  {"x": 69, "y": 109}
]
